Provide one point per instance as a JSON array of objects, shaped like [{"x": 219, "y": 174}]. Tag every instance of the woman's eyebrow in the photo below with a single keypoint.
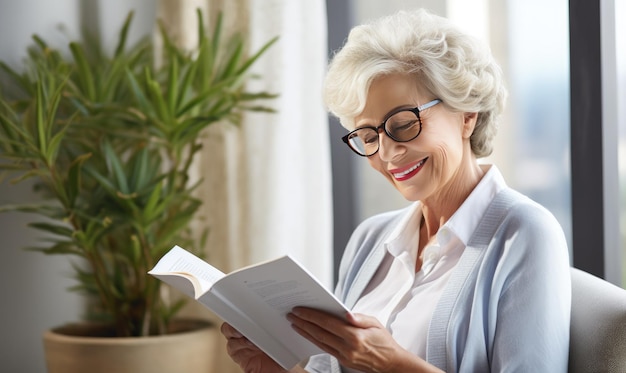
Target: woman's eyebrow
[{"x": 386, "y": 116}]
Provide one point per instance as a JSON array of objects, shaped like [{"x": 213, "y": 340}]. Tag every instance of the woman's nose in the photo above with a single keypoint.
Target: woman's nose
[{"x": 387, "y": 147}]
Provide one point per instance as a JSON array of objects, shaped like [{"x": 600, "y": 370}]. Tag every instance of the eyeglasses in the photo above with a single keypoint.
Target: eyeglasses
[{"x": 401, "y": 126}]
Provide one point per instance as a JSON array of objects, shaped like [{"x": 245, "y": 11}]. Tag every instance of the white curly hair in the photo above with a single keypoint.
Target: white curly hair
[{"x": 448, "y": 63}]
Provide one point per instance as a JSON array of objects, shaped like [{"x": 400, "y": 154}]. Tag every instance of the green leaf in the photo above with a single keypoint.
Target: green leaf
[
  {"x": 206, "y": 61},
  {"x": 40, "y": 42},
  {"x": 233, "y": 61},
  {"x": 54, "y": 228},
  {"x": 217, "y": 34},
  {"x": 178, "y": 222},
  {"x": 12, "y": 137},
  {"x": 28, "y": 174},
  {"x": 94, "y": 232},
  {"x": 170, "y": 50},
  {"x": 13, "y": 167},
  {"x": 22, "y": 80},
  {"x": 190, "y": 128},
  {"x": 74, "y": 179},
  {"x": 135, "y": 247},
  {"x": 113, "y": 290},
  {"x": 204, "y": 98},
  {"x": 39, "y": 208},
  {"x": 119, "y": 50},
  {"x": 41, "y": 121},
  {"x": 256, "y": 56},
  {"x": 116, "y": 164},
  {"x": 60, "y": 248},
  {"x": 54, "y": 145},
  {"x": 248, "y": 96},
  {"x": 53, "y": 142},
  {"x": 114, "y": 79},
  {"x": 85, "y": 75},
  {"x": 263, "y": 109},
  {"x": 102, "y": 181},
  {"x": 158, "y": 102},
  {"x": 186, "y": 86},
  {"x": 172, "y": 89},
  {"x": 150, "y": 210},
  {"x": 140, "y": 169},
  {"x": 138, "y": 92}
]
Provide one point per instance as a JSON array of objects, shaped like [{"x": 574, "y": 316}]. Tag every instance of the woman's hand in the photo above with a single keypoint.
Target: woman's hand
[
  {"x": 247, "y": 355},
  {"x": 361, "y": 342}
]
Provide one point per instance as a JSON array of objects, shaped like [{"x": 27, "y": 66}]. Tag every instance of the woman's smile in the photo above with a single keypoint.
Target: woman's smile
[{"x": 401, "y": 174}]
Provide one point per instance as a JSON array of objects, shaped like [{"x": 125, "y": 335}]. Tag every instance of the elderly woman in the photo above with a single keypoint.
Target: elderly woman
[{"x": 471, "y": 277}]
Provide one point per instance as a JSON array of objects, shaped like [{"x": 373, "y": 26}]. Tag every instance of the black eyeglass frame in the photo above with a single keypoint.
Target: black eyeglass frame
[{"x": 382, "y": 126}]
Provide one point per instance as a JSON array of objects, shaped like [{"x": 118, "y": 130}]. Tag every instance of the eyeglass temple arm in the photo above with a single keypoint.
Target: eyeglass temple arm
[{"x": 429, "y": 104}]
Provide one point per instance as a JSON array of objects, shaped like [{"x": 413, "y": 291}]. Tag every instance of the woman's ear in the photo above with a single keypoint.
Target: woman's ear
[{"x": 469, "y": 122}]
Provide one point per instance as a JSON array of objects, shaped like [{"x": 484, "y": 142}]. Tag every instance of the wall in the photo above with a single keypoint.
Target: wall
[{"x": 34, "y": 286}]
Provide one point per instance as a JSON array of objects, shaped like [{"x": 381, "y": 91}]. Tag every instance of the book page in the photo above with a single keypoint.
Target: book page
[
  {"x": 253, "y": 330},
  {"x": 266, "y": 292},
  {"x": 283, "y": 284},
  {"x": 182, "y": 263},
  {"x": 255, "y": 300}
]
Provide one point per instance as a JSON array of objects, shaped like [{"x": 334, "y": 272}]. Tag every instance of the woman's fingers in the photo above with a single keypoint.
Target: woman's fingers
[
  {"x": 309, "y": 319},
  {"x": 229, "y": 332},
  {"x": 320, "y": 337},
  {"x": 246, "y": 354},
  {"x": 363, "y": 321},
  {"x": 358, "y": 341},
  {"x": 324, "y": 330},
  {"x": 237, "y": 345}
]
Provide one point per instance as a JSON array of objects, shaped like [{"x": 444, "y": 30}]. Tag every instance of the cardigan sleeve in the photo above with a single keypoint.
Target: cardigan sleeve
[
  {"x": 323, "y": 364},
  {"x": 522, "y": 297},
  {"x": 533, "y": 311}
]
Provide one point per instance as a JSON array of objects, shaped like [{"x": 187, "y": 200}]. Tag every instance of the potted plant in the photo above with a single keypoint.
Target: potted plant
[{"x": 109, "y": 141}]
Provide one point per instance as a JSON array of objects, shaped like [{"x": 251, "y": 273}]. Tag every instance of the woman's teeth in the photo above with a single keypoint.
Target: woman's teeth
[{"x": 409, "y": 170}]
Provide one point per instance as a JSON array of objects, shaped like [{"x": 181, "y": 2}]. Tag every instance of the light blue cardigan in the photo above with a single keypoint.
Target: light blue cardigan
[{"x": 506, "y": 307}]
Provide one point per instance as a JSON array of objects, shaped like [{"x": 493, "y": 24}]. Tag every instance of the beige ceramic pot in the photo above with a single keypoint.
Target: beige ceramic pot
[{"x": 70, "y": 349}]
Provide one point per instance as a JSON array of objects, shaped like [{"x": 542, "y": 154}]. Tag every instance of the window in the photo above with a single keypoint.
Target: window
[
  {"x": 532, "y": 147},
  {"x": 531, "y": 40},
  {"x": 620, "y": 56}
]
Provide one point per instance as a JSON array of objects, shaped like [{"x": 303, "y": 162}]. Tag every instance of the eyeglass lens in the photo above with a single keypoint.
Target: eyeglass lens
[{"x": 402, "y": 126}]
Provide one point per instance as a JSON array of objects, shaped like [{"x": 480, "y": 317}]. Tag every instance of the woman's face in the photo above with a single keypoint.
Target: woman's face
[{"x": 431, "y": 165}]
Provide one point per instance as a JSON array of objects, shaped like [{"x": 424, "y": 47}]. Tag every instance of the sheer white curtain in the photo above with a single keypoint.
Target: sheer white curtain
[
  {"x": 289, "y": 151},
  {"x": 268, "y": 183}
]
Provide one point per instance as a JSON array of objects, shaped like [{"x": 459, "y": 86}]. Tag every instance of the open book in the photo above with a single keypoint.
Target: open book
[{"x": 254, "y": 300}]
